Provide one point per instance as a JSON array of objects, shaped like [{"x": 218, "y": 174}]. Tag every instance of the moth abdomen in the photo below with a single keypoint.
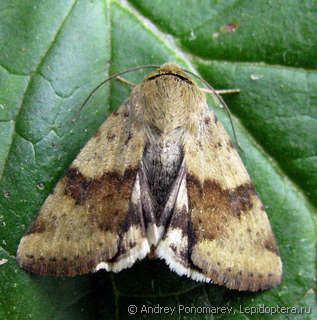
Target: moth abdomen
[{"x": 162, "y": 159}]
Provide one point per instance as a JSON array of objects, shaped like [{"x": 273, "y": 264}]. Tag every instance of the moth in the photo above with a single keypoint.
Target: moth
[{"x": 159, "y": 176}]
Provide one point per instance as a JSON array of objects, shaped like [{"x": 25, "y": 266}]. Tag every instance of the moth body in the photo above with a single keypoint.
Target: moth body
[{"x": 160, "y": 174}]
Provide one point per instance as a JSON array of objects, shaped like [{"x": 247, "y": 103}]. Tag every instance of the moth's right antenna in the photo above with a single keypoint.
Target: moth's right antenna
[{"x": 221, "y": 101}]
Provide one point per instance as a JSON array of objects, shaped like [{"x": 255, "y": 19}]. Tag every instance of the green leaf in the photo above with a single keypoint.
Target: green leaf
[{"x": 53, "y": 53}]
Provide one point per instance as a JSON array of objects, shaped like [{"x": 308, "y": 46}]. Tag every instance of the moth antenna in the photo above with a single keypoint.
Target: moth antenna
[
  {"x": 221, "y": 101},
  {"x": 115, "y": 75}
]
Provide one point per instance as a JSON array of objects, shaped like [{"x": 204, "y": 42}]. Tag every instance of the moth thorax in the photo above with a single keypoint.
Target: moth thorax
[{"x": 168, "y": 102}]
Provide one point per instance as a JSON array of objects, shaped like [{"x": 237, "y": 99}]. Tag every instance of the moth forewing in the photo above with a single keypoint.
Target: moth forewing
[
  {"x": 160, "y": 175},
  {"x": 93, "y": 217}
]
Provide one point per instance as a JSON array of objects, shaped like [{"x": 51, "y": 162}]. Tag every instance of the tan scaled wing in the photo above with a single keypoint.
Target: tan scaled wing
[
  {"x": 231, "y": 238},
  {"x": 93, "y": 219}
]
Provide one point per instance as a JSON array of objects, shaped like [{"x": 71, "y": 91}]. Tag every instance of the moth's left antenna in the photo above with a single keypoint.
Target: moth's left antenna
[{"x": 112, "y": 77}]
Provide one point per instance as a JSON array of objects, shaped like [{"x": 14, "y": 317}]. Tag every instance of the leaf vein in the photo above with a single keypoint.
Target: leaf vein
[{"x": 31, "y": 78}]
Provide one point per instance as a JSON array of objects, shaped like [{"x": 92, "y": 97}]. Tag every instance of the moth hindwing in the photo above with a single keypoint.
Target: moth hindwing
[{"x": 160, "y": 175}]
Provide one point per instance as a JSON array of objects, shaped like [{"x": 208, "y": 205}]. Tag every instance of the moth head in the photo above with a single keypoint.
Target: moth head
[{"x": 169, "y": 97}]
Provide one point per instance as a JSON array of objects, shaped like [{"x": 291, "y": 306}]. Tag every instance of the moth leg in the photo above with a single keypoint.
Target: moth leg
[
  {"x": 125, "y": 81},
  {"x": 221, "y": 91}
]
